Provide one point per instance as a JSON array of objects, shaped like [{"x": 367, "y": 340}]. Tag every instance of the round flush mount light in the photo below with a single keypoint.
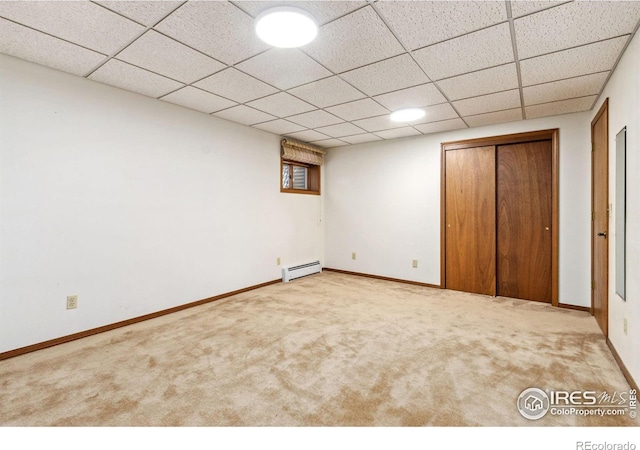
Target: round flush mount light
[
  {"x": 407, "y": 114},
  {"x": 286, "y": 27}
]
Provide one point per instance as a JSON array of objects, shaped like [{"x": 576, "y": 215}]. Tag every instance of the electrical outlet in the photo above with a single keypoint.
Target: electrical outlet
[
  {"x": 72, "y": 301},
  {"x": 278, "y": 261},
  {"x": 353, "y": 256},
  {"x": 415, "y": 263},
  {"x": 624, "y": 325}
]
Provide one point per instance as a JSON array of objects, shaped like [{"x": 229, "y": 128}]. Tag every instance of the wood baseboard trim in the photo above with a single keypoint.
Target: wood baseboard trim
[
  {"x": 378, "y": 277},
  {"x": 124, "y": 323},
  {"x": 577, "y": 308},
  {"x": 623, "y": 368}
]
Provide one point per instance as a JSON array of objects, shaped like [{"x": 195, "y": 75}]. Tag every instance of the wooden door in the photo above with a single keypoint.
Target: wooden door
[
  {"x": 524, "y": 220},
  {"x": 600, "y": 218},
  {"x": 470, "y": 220}
]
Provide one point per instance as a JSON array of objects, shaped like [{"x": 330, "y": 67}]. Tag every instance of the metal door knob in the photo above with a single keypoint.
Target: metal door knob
[{"x": 603, "y": 234}]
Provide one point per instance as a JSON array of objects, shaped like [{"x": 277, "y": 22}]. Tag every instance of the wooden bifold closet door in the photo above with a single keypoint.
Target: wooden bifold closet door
[{"x": 499, "y": 217}]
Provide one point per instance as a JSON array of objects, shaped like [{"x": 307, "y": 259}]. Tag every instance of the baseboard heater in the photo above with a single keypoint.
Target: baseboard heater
[{"x": 302, "y": 270}]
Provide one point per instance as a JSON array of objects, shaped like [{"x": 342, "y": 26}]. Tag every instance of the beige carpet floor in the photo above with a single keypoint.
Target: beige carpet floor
[{"x": 325, "y": 350}]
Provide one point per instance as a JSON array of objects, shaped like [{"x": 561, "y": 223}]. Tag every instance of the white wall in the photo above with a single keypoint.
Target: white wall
[
  {"x": 134, "y": 204},
  {"x": 383, "y": 202},
  {"x": 623, "y": 92}
]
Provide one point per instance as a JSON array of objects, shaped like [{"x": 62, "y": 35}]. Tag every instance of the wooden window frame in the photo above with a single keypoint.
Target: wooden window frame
[{"x": 313, "y": 178}]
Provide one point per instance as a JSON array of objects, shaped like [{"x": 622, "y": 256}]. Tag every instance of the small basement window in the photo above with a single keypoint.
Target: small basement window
[{"x": 300, "y": 168}]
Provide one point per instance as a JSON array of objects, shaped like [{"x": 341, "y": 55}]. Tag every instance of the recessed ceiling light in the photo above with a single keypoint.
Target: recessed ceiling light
[
  {"x": 286, "y": 27},
  {"x": 407, "y": 114}
]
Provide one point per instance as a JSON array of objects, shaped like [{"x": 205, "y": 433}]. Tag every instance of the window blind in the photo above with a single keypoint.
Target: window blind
[{"x": 302, "y": 153}]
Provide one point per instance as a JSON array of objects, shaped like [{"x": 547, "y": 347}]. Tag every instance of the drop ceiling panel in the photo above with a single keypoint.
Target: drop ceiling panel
[
  {"x": 199, "y": 100},
  {"x": 245, "y": 115},
  {"x": 219, "y": 29},
  {"x": 353, "y": 41},
  {"x": 281, "y": 105},
  {"x": 489, "y": 103},
  {"x": 315, "y": 119},
  {"x": 573, "y": 24},
  {"x": 358, "y": 110},
  {"x": 131, "y": 78},
  {"x": 436, "y": 113},
  {"x": 308, "y": 135},
  {"x": 236, "y": 85},
  {"x": 373, "y": 124},
  {"x": 284, "y": 68},
  {"x": 509, "y": 115},
  {"x": 280, "y": 126},
  {"x": 564, "y": 89},
  {"x": 481, "y": 82},
  {"x": 361, "y": 138},
  {"x": 523, "y": 7},
  {"x": 327, "y": 92},
  {"x": 163, "y": 55},
  {"x": 417, "y": 96},
  {"x": 383, "y": 76},
  {"x": 40, "y": 48},
  {"x": 340, "y": 130},
  {"x": 584, "y": 60},
  {"x": 328, "y": 143},
  {"x": 356, "y": 71},
  {"x": 398, "y": 133},
  {"x": 322, "y": 11},
  {"x": 561, "y": 107},
  {"x": 478, "y": 50},
  {"x": 144, "y": 12},
  {"x": 418, "y": 24},
  {"x": 445, "y": 125},
  {"x": 81, "y": 22}
]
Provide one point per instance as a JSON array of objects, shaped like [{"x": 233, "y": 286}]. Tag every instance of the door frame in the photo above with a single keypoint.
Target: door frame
[
  {"x": 601, "y": 111},
  {"x": 532, "y": 136}
]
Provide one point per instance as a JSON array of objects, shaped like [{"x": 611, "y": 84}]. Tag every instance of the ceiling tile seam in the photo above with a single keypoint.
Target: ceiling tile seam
[
  {"x": 344, "y": 15},
  {"x": 200, "y": 89},
  {"x": 350, "y": 123},
  {"x": 116, "y": 12},
  {"x": 339, "y": 75},
  {"x": 53, "y": 36},
  {"x": 502, "y": 22},
  {"x": 496, "y": 111},
  {"x": 613, "y": 69},
  {"x": 374, "y": 7},
  {"x": 474, "y": 71},
  {"x": 155, "y": 73},
  {"x": 320, "y": 24},
  {"x": 562, "y": 100},
  {"x": 304, "y": 131},
  {"x": 543, "y": 9},
  {"x": 350, "y": 135},
  {"x": 565, "y": 79},
  {"x": 231, "y": 67},
  {"x": 512, "y": 31},
  {"x": 577, "y": 46},
  {"x": 127, "y": 44},
  {"x": 483, "y": 95},
  {"x": 289, "y": 118},
  {"x": 186, "y": 45}
]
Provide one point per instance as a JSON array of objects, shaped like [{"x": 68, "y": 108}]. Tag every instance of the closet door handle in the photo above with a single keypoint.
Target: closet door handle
[{"x": 603, "y": 234}]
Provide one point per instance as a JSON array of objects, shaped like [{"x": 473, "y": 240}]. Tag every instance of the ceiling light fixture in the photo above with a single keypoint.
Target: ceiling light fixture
[
  {"x": 407, "y": 114},
  {"x": 286, "y": 27}
]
